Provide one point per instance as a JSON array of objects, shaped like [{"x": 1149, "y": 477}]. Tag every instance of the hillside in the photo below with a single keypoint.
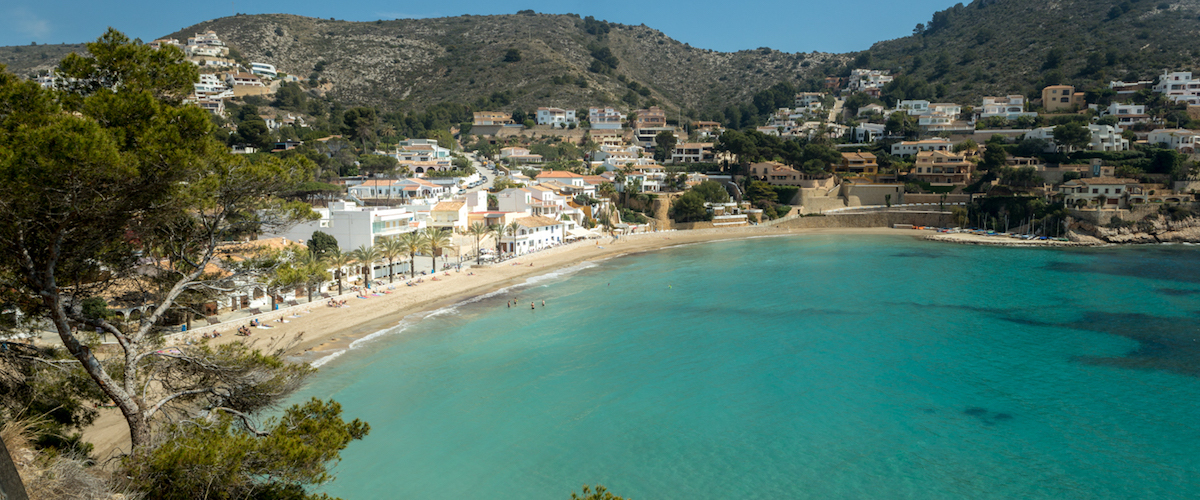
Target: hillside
[
  {"x": 28, "y": 60},
  {"x": 413, "y": 64},
  {"x": 1017, "y": 46}
]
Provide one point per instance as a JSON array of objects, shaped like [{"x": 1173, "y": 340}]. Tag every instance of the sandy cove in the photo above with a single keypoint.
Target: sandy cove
[{"x": 325, "y": 330}]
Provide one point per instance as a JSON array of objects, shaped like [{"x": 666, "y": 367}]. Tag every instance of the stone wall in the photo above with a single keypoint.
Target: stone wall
[
  {"x": 874, "y": 219},
  {"x": 935, "y": 198},
  {"x": 872, "y": 194}
]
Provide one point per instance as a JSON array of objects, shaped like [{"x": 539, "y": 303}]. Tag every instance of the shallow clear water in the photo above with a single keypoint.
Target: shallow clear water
[{"x": 798, "y": 367}]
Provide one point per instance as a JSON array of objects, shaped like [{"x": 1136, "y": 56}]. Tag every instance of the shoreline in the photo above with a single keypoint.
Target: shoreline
[{"x": 324, "y": 333}]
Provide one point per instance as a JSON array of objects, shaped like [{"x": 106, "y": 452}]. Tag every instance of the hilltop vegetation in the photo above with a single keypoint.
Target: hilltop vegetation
[
  {"x": 997, "y": 47},
  {"x": 509, "y": 61}
]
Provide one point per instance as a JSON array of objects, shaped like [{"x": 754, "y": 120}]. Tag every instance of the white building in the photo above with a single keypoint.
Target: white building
[
  {"x": 355, "y": 226},
  {"x": 909, "y": 148},
  {"x": 1182, "y": 140},
  {"x": 535, "y": 234},
  {"x": 811, "y": 101},
  {"x": 1179, "y": 86},
  {"x": 1093, "y": 191},
  {"x": 868, "y": 80},
  {"x": 605, "y": 118},
  {"x": 263, "y": 69},
  {"x": 1127, "y": 114},
  {"x": 556, "y": 117},
  {"x": 867, "y": 132},
  {"x": 1104, "y": 137},
  {"x": 450, "y": 215},
  {"x": 1010, "y": 107},
  {"x": 247, "y": 79}
]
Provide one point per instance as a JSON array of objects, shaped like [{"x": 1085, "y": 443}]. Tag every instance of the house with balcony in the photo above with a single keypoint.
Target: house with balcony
[
  {"x": 708, "y": 130},
  {"x": 1103, "y": 137},
  {"x": 536, "y": 233},
  {"x": 264, "y": 69},
  {"x": 485, "y": 118},
  {"x": 867, "y": 132},
  {"x": 556, "y": 117},
  {"x": 777, "y": 174},
  {"x": 860, "y": 165},
  {"x": 1104, "y": 192},
  {"x": 243, "y": 79},
  {"x": 1062, "y": 98},
  {"x": 811, "y": 101},
  {"x": 1179, "y": 86},
  {"x": 355, "y": 226},
  {"x": 1126, "y": 114},
  {"x": 605, "y": 119},
  {"x": 909, "y": 148},
  {"x": 450, "y": 215},
  {"x": 517, "y": 155},
  {"x": 693, "y": 152},
  {"x": 1009, "y": 107},
  {"x": 403, "y": 190},
  {"x": 1179, "y": 139},
  {"x": 869, "y": 81},
  {"x": 942, "y": 167}
]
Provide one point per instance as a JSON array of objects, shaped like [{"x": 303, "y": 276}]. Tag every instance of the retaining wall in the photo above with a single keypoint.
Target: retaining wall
[{"x": 874, "y": 219}]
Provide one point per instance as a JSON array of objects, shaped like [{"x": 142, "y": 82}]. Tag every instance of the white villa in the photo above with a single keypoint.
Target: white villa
[
  {"x": 556, "y": 117},
  {"x": 354, "y": 226}
]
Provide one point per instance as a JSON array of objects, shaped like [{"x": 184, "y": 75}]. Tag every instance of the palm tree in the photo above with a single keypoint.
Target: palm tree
[
  {"x": 479, "y": 231},
  {"x": 338, "y": 260},
  {"x": 412, "y": 243},
  {"x": 436, "y": 239},
  {"x": 365, "y": 256},
  {"x": 391, "y": 249},
  {"x": 511, "y": 229},
  {"x": 496, "y": 231},
  {"x": 315, "y": 271}
]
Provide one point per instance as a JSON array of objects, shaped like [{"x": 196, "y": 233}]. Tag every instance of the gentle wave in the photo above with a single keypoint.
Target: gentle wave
[{"x": 414, "y": 318}]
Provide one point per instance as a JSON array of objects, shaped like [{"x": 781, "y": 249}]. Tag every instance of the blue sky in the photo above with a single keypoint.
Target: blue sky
[{"x": 795, "y": 26}]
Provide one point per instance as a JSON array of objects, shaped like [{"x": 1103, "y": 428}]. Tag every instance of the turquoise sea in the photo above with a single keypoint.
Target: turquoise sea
[{"x": 817, "y": 366}]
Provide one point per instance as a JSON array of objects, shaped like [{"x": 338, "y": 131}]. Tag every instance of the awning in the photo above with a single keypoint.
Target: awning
[{"x": 576, "y": 233}]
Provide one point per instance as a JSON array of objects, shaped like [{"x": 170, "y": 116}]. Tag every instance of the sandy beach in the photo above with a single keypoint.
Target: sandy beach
[{"x": 325, "y": 330}]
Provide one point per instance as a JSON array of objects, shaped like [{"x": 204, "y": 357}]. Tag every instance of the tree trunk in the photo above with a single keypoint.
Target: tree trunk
[
  {"x": 10, "y": 481},
  {"x": 391, "y": 271},
  {"x": 339, "y": 278},
  {"x": 139, "y": 429}
]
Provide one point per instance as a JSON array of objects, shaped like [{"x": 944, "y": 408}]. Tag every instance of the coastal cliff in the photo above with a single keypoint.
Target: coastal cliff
[{"x": 1152, "y": 229}]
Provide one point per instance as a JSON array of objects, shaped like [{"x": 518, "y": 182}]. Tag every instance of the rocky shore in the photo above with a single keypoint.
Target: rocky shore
[{"x": 1157, "y": 229}]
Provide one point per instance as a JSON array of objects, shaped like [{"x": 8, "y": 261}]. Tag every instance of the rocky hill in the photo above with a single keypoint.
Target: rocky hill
[
  {"x": 990, "y": 47},
  {"x": 26, "y": 60},
  {"x": 524, "y": 60}
]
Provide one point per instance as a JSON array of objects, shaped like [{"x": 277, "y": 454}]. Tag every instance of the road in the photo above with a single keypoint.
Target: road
[{"x": 837, "y": 109}]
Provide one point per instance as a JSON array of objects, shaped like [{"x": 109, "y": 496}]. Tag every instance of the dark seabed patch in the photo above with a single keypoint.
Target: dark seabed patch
[
  {"x": 986, "y": 417},
  {"x": 1164, "y": 343},
  {"x": 1176, "y": 292},
  {"x": 1178, "y": 264}
]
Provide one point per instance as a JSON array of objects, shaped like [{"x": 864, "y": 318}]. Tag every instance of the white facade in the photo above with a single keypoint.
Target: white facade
[
  {"x": 1010, "y": 107},
  {"x": 1182, "y": 140},
  {"x": 1104, "y": 137},
  {"x": 909, "y": 148},
  {"x": 263, "y": 69},
  {"x": 1179, "y": 86},
  {"x": 1127, "y": 114},
  {"x": 355, "y": 226},
  {"x": 556, "y": 117},
  {"x": 535, "y": 234},
  {"x": 867, "y": 132},
  {"x": 605, "y": 118},
  {"x": 864, "y": 79}
]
